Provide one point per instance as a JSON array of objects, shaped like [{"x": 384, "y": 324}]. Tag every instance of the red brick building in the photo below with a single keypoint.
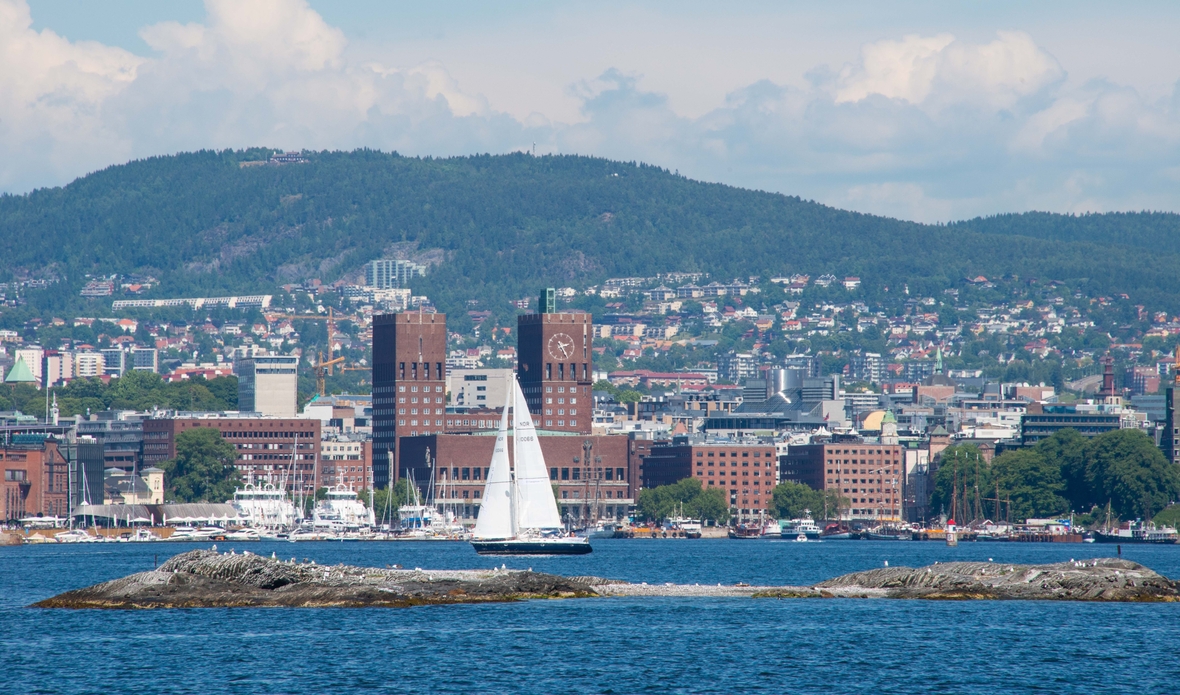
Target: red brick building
[
  {"x": 36, "y": 480},
  {"x": 555, "y": 368},
  {"x": 748, "y": 472},
  {"x": 409, "y": 383},
  {"x": 867, "y": 473},
  {"x": 595, "y": 475},
  {"x": 265, "y": 446}
]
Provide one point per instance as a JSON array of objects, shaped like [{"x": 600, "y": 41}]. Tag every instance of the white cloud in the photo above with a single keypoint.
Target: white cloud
[{"x": 927, "y": 127}]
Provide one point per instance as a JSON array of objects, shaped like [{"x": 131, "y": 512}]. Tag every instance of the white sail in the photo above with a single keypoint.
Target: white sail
[
  {"x": 536, "y": 508},
  {"x": 495, "y": 520}
]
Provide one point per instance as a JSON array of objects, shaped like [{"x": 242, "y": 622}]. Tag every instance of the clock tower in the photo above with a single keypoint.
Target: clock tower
[{"x": 555, "y": 366}]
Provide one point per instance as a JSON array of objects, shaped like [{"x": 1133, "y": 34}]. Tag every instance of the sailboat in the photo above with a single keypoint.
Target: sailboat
[{"x": 518, "y": 515}]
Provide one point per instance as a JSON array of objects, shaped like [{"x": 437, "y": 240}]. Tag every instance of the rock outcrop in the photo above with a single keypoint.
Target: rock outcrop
[
  {"x": 203, "y": 578},
  {"x": 206, "y": 579}
]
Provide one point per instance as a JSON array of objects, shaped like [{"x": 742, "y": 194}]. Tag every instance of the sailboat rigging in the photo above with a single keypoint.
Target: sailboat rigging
[{"x": 518, "y": 514}]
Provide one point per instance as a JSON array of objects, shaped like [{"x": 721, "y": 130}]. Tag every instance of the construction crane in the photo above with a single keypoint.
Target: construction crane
[
  {"x": 330, "y": 318},
  {"x": 322, "y": 370}
]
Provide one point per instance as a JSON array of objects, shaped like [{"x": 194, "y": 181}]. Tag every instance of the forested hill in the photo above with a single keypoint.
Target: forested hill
[{"x": 505, "y": 225}]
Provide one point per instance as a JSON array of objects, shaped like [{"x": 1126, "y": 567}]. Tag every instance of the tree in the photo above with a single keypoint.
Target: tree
[
  {"x": 1126, "y": 468},
  {"x": 792, "y": 500},
  {"x": 712, "y": 505},
  {"x": 203, "y": 470},
  {"x": 1031, "y": 481}
]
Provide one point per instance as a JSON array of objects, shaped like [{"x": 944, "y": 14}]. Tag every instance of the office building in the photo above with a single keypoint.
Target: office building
[
  {"x": 868, "y": 474},
  {"x": 478, "y": 388},
  {"x": 746, "y": 470},
  {"x": 268, "y": 385},
  {"x": 280, "y": 451},
  {"x": 409, "y": 384}
]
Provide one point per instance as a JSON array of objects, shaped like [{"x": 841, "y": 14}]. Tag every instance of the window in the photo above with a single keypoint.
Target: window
[
  {"x": 553, "y": 474},
  {"x": 565, "y": 474}
]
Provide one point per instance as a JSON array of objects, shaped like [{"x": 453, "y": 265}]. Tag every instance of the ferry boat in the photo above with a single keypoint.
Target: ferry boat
[
  {"x": 265, "y": 506},
  {"x": 519, "y": 515},
  {"x": 805, "y": 526},
  {"x": 1138, "y": 531},
  {"x": 341, "y": 512}
]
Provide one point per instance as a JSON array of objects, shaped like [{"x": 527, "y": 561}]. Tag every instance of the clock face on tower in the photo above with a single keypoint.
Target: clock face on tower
[{"x": 561, "y": 346}]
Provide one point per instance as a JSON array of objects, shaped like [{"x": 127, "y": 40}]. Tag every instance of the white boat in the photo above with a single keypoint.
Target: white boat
[
  {"x": 199, "y": 534},
  {"x": 341, "y": 512},
  {"x": 801, "y": 538},
  {"x": 518, "y": 515},
  {"x": 75, "y": 536},
  {"x": 265, "y": 506},
  {"x": 243, "y": 534},
  {"x": 140, "y": 535},
  {"x": 804, "y": 526}
]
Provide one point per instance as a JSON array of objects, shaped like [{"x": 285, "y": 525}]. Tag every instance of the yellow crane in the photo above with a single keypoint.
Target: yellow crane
[
  {"x": 322, "y": 370},
  {"x": 330, "y": 318}
]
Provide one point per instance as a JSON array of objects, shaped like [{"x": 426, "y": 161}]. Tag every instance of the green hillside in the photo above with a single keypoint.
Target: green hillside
[{"x": 505, "y": 225}]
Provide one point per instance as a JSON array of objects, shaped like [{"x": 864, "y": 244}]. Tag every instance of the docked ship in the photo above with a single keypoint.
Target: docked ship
[
  {"x": 518, "y": 515},
  {"x": 805, "y": 526},
  {"x": 265, "y": 507},
  {"x": 1138, "y": 532},
  {"x": 341, "y": 512}
]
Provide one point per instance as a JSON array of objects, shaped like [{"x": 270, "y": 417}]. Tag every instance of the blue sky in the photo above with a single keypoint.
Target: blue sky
[{"x": 922, "y": 110}]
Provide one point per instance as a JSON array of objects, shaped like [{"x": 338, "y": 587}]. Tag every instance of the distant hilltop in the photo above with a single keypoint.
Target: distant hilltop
[{"x": 221, "y": 223}]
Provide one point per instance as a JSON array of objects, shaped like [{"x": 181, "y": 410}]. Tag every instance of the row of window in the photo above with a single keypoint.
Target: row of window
[
  {"x": 576, "y": 473},
  {"x": 734, "y": 454},
  {"x": 414, "y": 389},
  {"x": 425, "y": 411},
  {"x": 561, "y": 411},
  {"x": 414, "y": 423}
]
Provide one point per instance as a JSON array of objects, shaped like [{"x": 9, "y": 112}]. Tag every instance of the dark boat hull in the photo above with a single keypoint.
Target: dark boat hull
[
  {"x": 1100, "y": 537},
  {"x": 556, "y": 547}
]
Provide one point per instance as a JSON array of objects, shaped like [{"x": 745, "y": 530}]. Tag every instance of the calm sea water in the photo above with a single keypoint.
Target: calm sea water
[{"x": 592, "y": 646}]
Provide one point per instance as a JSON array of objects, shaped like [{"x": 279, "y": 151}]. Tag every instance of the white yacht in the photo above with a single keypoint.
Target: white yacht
[
  {"x": 519, "y": 515},
  {"x": 341, "y": 512},
  {"x": 265, "y": 506}
]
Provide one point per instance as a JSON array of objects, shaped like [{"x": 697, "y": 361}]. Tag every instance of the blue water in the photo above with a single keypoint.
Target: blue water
[{"x": 593, "y": 646}]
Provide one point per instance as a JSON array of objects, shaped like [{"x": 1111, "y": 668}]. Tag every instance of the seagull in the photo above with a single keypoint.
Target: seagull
[
  {"x": 886, "y": 563},
  {"x": 989, "y": 559},
  {"x": 214, "y": 548}
]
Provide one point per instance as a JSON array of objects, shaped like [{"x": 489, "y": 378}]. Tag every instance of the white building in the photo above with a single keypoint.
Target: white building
[
  {"x": 478, "y": 388},
  {"x": 268, "y": 385}
]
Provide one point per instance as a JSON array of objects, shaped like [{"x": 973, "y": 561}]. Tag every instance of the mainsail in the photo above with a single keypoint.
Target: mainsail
[
  {"x": 536, "y": 508},
  {"x": 496, "y": 511}
]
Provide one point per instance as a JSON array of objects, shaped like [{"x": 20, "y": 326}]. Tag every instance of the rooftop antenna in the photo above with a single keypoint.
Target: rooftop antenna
[{"x": 534, "y": 149}]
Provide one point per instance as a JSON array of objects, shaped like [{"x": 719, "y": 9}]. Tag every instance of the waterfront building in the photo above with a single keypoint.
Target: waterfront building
[
  {"x": 869, "y": 474},
  {"x": 265, "y": 446},
  {"x": 746, "y": 469},
  {"x": 409, "y": 386},
  {"x": 36, "y": 478}
]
